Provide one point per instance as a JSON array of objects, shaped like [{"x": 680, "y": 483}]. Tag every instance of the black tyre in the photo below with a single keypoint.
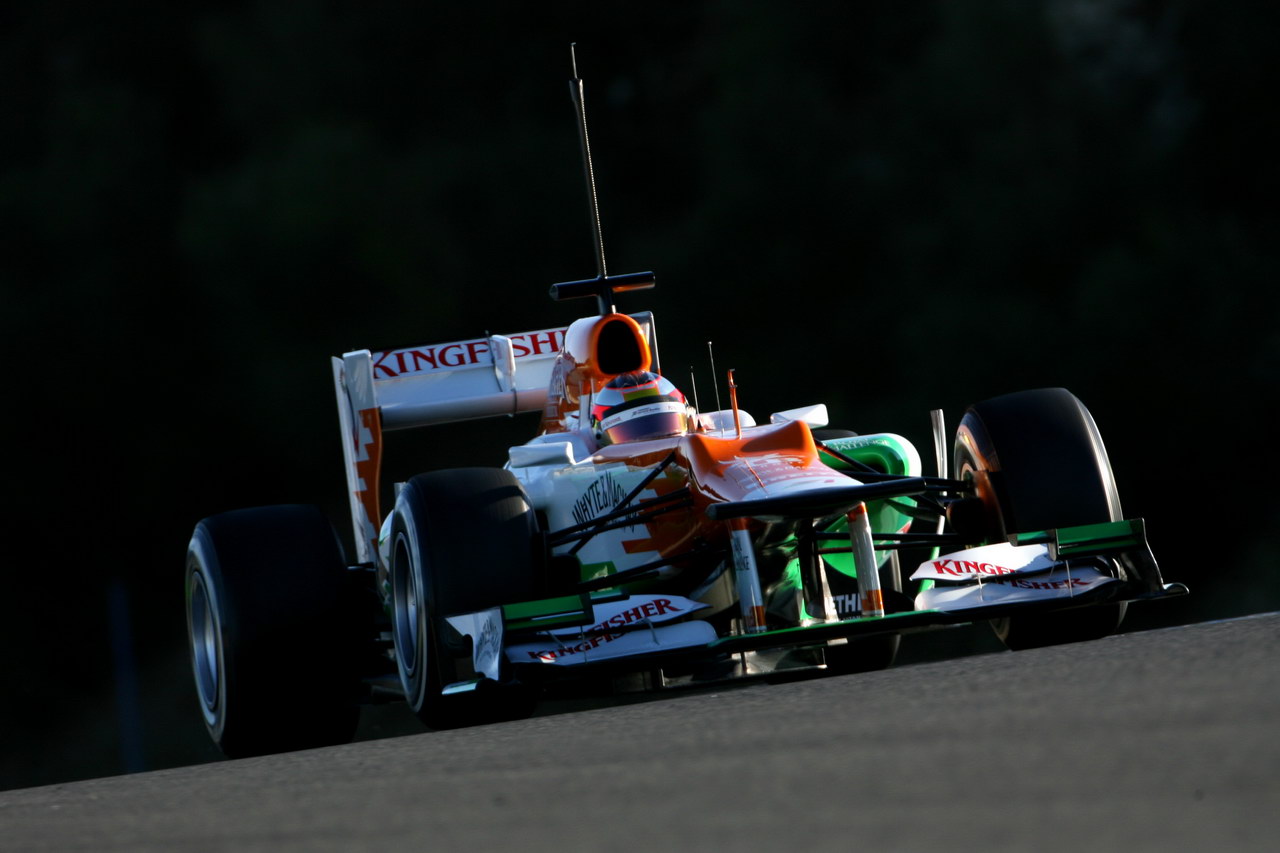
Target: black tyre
[
  {"x": 462, "y": 541},
  {"x": 272, "y": 631},
  {"x": 879, "y": 651},
  {"x": 1037, "y": 461}
]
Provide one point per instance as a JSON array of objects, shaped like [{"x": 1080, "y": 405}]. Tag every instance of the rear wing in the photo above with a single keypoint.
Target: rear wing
[{"x": 435, "y": 384}]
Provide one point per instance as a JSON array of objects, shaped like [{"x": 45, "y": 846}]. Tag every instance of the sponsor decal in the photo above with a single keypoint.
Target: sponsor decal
[
  {"x": 846, "y": 605},
  {"x": 608, "y": 637},
  {"x": 613, "y": 645},
  {"x": 417, "y": 360},
  {"x": 564, "y": 650},
  {"x": 963, "y": 568},
  {"x": 489, "y": 644},
  {"x": 637, "y": 609},
  {"x": 989, "y": 561},
  {"x": 485, "y": 630},
  {"x": 1063, "y": 582},
  {"x": 602, "y": 495},
  {"x": 766, "y": 470}
]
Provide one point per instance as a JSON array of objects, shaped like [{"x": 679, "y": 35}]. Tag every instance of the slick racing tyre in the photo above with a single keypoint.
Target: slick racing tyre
[
  {"x": 1037, "y": 461},
  {"x": 879, "y": 651},
  {"x": 272, "y": 634},
  {"x": 462, "y": 541}
]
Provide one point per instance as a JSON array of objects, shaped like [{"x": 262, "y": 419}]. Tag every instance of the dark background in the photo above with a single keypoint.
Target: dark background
[{"x": 886, "y": 206}]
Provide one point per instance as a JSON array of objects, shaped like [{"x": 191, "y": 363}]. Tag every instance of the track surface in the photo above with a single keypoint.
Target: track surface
[{"x": 1164, "y": 740}]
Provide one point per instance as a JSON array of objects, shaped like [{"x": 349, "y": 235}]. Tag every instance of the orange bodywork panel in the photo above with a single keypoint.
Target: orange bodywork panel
[
  {"x": 734, "y": 469},
  {"x": 718, "y": 469}
]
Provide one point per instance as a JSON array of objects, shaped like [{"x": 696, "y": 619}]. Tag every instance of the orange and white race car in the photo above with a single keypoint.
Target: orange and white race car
[{"x": 636, "y": 539}]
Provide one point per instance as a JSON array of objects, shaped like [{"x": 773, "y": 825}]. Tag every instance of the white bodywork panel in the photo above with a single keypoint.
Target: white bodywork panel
[
  {"x": 630, "y": 626},
  {"x": 477, "y": 378},
  {"x": 1003, "y": 574},
  {"x": 1063, "y": 582},
  {"x": 485, "y": 630},
  {"x": 986, "y": 562},
  {"x": 580, "y": 493},
  {"x": 435, "y": 384},
  {"x": 815, "y": 416}
]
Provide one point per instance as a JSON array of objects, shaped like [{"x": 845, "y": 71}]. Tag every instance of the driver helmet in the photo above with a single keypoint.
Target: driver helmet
[{"x": 639, "y": 405}]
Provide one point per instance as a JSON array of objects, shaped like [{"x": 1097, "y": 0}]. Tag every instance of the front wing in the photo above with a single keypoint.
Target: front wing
[{"x": 613, "y": 631}]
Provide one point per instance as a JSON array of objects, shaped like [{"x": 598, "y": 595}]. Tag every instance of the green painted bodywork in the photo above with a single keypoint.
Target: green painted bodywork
[
  {"x": 1067, "y": 542},
  {"x": 591, "y": 571},
  {"x": 886, "y": 453},
  {"x": 547, "y": 613},
  {"x": 559, "y": 612}
]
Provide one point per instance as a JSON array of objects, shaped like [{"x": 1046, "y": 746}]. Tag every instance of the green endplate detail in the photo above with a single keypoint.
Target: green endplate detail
[
  {"x": 591, "y": 571},
  {"x": 1066, "y": 542},
  {"x": 548, "y": 613}
]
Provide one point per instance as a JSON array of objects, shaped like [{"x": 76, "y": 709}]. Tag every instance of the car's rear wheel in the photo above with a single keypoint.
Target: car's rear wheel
[
  {"x": 1037, "y": 461},
  {"x": 272, "y": 631},
  {"x": 462, "y": 541}
]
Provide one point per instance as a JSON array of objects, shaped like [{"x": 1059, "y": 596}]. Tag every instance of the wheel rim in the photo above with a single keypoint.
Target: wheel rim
[
  {"x": 404, "y": 594},
  {"x": 205, "y": 650}
]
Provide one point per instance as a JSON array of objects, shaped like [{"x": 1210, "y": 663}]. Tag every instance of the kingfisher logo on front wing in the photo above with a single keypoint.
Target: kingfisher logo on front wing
[
  {"x": 636, "y": 609},
  {"x": 987, "y": 561},
  {"x": 964, "y": 568},
  {"x": 615, "y": 644},
  {"x": 608, "y": 637},
  {"x": 1060, "y": 583}
]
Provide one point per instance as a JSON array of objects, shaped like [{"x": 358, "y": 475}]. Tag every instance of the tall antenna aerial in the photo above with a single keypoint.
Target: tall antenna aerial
[
  {"x": 603, "y": 286},
  {"x": 588, "y": 170}
]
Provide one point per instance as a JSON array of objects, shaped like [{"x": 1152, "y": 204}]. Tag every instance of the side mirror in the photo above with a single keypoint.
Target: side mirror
[{"x": 815, "y": 416}]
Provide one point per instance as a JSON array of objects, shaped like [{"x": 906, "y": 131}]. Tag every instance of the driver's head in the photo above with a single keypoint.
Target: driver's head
[{"x": 639, "y": 405}]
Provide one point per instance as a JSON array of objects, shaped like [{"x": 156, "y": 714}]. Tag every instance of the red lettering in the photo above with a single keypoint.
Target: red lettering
[
  {"x": 941, "y": 565},
  {"x": 535, "y": 340},
  {"x": 474, "y": 349},
  {"x": 518, "y": 348},
  {"x": 420, "y": 356},
  {"x": 451, "y": 361},
  {"x": 378, "y": 365}
]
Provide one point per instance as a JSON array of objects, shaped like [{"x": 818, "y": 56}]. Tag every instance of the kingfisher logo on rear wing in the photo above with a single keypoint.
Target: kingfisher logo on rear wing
[{"x": 397, "y": 363}]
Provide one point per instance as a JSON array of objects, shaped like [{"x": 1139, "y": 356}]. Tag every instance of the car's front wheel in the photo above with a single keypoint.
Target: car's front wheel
[
  {"x": 1036, "y": 460},
  {"x": 462, "y": 541}
]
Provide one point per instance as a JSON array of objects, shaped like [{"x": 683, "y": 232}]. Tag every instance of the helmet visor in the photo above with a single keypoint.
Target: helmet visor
[{"x": 653, "y": 420}]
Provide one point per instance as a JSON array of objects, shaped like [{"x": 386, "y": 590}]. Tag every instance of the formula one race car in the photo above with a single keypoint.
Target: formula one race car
[{"x": 638, "y": 541}]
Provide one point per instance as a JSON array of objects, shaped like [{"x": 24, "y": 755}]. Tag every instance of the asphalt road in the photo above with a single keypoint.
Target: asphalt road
[{"x": 1163, "y": 740}]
